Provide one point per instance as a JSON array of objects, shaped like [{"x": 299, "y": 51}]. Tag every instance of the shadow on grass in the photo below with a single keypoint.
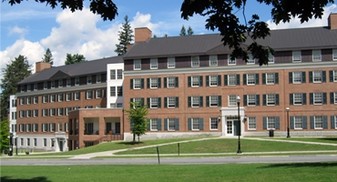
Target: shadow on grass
[
  {"x": 297, "y": 165},
  {"x": 130, "y": 143},
  {"x": 330, "y": 139},
  {"x": 35, "y": 179}
]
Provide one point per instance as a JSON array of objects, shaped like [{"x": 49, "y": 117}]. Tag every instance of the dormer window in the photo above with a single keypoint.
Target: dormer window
[
  {"x": 195, "y": 62},
  {"x": 316, "y": 55},
  {"x": 153, "y": 63},
  {"x": 137, "y": 65},
  {"x": 297, "y": 56}
]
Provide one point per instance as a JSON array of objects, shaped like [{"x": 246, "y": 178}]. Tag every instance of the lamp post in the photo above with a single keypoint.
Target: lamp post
[
  {"x": 239, "y": 125},
  {"x": 288, "y": 124}
]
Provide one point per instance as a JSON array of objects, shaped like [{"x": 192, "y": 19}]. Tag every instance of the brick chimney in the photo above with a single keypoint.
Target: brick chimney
[
  {"x": 332, "y": 21},
  {"x": 142, "y": 34},
  {"x": 40, "y": 66}
]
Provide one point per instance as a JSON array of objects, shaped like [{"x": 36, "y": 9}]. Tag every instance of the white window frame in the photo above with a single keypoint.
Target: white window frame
[
  {"x": 335, "y": 117},
  {"x": 318, "y": 98},
  {"x": 154, "y": 122},
  {"x": 154, "y": 83},
  {"x": 77, "y": 95},
  {"x": 271, "y": 120},
  {"x": 316, "y": 55},
  {"x": 171, "y": 124},
  {"x": 251, "y": 59},
  {"x": 298, "y": 99},
  {"x": 112, "y": 74},
  {"x": 271, "y": 99},
  {"x": 195, "y": 62},
  {"x": 89, "y": 94},
  {"x": 297, "y": 77},
  {"x": 171, "y": 82},
  {"x": 195, "y": 124},
  {"x": 154, "y": 63},
  {"x": 137, "y": 64},
  {"x": 119, "y": 74},
  {"x": 171, "y": 102},
  {"x": 89, "y": 79},
  {"x": 335, "y": 97},
  {"x": 213, "y": 101},
  {"x": 251, "y": 79},
  {"x": 154, "y": 102},
  {"x": 195, "y": 81},
  {"x": 317, "y": 76},
  {"x": 334, "y": 54},
  {"x": 137, "y": 83},
  {"x": 195, "y": 101},
  {"x": 251, "y": 98},
  {"x": 270, "y": 78},
  {"x": 213, "y": 80},
  {"x": 296, "y": 56},
  {"x": 171, "y": 62},
  {"x": 334, "y": 75},
  {"x": 213, "y": 60},
  {"x": 230, "y": 61},
  {"x": 68, "y": 96},
  {"x": 213, "y": 121},
  {"x": 232, "y": 100},
  {"x": 251, "y": 122},
  {"x": 232, "y": 80},
  {"x": 316, "y": 120},
  {"x": 298, "y": 121},
  {"x": 271, "y": 58}
]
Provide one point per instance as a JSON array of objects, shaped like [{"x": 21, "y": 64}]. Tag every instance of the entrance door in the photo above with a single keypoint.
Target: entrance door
[
  {"x": 61, "y": 144},
  {"x": 118, "y": 128}
]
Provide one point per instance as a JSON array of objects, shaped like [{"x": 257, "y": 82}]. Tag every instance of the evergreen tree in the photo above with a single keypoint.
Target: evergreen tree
[
  {"x": 14, "y": 72},
  {"x": 190, "y": 31},
  {"x": 183, "y": 31},
  {"x": 4, "y": 135},
  {"x": 138, "y": 120},
  {"x": 73, "y": 59},
  {"x": 125, "y": 37},
  {"x": 48, "y": 57}
]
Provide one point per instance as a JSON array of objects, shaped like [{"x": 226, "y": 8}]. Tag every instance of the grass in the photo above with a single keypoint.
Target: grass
[
  {"x": 230, "y": 146},
  {"x": 217, "y": 172},
  {"x": 319, "y": 139}
]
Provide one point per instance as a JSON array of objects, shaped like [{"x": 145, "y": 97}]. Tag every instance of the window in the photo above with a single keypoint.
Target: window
[
  {"x": 296, "y": 56},
  {"x": 154, "y": 83},
  {"x": 251, "y": 100},
  {"x": 36, "y": 99},
  {"x": 317, "y": 76},
  {"x": 68, "y": 82},
  {"x": 195, "y": 101},
  {"x": 138, "y": 101},
  {"x": 171, "y": 62},
  {"x": 28, "y": 141},
  {"x": 271, "y": 99},
  {"x": 270, "y": 78},
  {"x": 60, "y": 97},
  {"x": 52, "y": 112},
  {"x": 29, "y": 100},
  {"x": 318, "y": 122},
  {"x": 333, "y": 97},
  {"x": 171, "y": 82},
  {"x": 298, "y": 98},
  {"x": 36, "y": 113},
  {"x": 45, "y": 142},
  {"x": 45, "y": 127},
  {"x": 334, "y": 122},
  {"x": 153, "y": 63},
  {"x": 52, "y": 98},
  {"x": 77, "y": 95},
  {"x": 231, "y": 61},
  {"x": 60, "y": 112},
  {"x": 271, "y": 58},
  {"x": 112, "y": 74},
  {"x": 195, "y": 81},
  {"x": 154, "y": 102},
  {"x": 120, "y": 91},
  {"x": 316, "y": 55},
  {"x": 232, "y": 100},
  {"x": 195, "y": 124},
  {"x": 172, "y": 102},
  {"x": 318, "y": 98},
  {"x": 271, "y": 123},
  {"x": 298, "y": 122},
  {"x": 137, "y": 64},
  {"x": 232, "y": 80},
  {"x": 45, "y": 99},
  {"x": 195, "y": 62},
  {"x": 297, "y": 77},
  {"x": 77, "y": 81},
  {"x": 138, "y": 83},
  {"x": 113, "y": 91},
  {"x": 45, "y": 112},
  {"x": 119, "y": 74},
  {"x": 35, "y": 142},
  {"x": 89, "y": 94},
  {"x": 213, "y": 60},
  {"x": 21, "y": 142},
  {"x": 251, "y": 123},
  {"x": 251, "y": 59},
  {"x": 214, "y": 123},
  {"x": 213, "y": 101},
  {"x": 252, "y": 79},
  {"x": 172, "y": 124},
  {"x": 213, "y": 80},
  {"x": 89, "y": 79},
  {"x": 333, "y": 76},
  {"x": 98, "y": 78},
  {"x": 68, "y": 96},
  {"x": 334, "y": 54},
  {"x": 155, "y": 124}
]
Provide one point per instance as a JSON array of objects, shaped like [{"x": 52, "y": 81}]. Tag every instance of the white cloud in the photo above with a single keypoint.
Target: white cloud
[
  {"x": 17, "y": 30},
  {"x": 296, "y": 23}
]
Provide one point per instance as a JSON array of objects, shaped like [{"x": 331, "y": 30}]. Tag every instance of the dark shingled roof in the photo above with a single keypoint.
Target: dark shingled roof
[
  {"x": 84, "y": 68},
  {"x": 285, "y": 39}
]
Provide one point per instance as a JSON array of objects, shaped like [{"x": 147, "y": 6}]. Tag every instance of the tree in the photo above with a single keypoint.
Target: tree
[
  {"x": 48, "y": 57},
  {"x": 125, "y": 37},
  {"x": 222, "y": 16},
  {"x": 183, "y": 31},
  {"x": 73, "y": 59},
  {"x": 4, "y": 135},
  {"x": 190, "y": 31},
  {"x": 13, "y": 73},
  {"x": 138, "y": 120},
  {"x": 106, "y": 8}
]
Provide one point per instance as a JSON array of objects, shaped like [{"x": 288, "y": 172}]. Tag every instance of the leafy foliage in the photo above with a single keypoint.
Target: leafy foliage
[
  {"x": 183, "y": 31},
  {"x": 4, "y": 135},
  {"x": 14, "y": 72},
  {"x": 222, "y": 16},
  {"x": 48, "y": 57},
  {"x": 125, "y": 37},
  {"x": 73, "y": 59},
  {"x": 138, "y": 120},
  {"x": 106, "y": 8}
]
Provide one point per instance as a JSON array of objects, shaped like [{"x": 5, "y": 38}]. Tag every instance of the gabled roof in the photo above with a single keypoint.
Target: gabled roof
[
  {"x": 67, "y": 71},
  {"x": 285, "y": 39}
]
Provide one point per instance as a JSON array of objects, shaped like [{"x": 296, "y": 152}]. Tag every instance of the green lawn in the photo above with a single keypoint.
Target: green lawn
[
  {"x": 230, "y": 146},
  {"x": 321, "y": 140},
  {"x": 217, "y": 172}
]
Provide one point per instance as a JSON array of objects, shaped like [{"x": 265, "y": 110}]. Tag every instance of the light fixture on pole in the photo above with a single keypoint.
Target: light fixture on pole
[
  {"x": 239, "y": 125},
  {"x": 288, "y": 124}
]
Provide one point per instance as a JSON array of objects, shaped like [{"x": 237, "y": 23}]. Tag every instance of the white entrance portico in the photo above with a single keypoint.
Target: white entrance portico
[{"x": 229, "y": 121}]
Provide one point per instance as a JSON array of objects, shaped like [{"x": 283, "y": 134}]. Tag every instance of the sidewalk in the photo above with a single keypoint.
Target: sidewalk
[{"x": 113, "y": 152}]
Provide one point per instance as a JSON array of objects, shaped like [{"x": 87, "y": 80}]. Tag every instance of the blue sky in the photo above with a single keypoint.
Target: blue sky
[{"x": 30, "y": 28}]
